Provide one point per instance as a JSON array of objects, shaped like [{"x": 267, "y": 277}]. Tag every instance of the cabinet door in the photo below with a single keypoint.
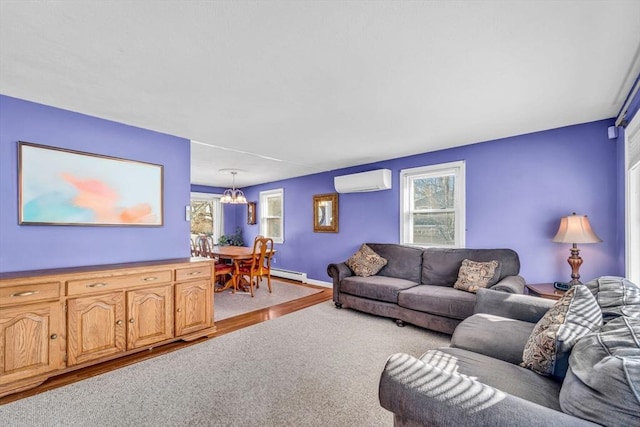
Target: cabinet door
[
  {"x": 150, "y": 313},
  {"x": 31, "y": 340},
  {"x": 96, "y": 327},
  {"x": 194, "y": 301}
]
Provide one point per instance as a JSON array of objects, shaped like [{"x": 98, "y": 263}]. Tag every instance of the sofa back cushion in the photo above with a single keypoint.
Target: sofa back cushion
[
  {"x": 603, "y": 382},
  {"x": 403, "y": 262},
  {"x": 616, "y": 296},
  {"x": 440, "y": 266}
]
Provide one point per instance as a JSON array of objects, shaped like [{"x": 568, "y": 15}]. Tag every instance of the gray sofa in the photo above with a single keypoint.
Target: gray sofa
[
  {"x": 477, "y": 381},
  {"x": 416, "y": 285}
]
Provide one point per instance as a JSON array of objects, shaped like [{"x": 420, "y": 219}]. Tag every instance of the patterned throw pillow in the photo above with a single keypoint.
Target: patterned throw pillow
[
  {"x": 573, "y": 316},
  {"x": 474, "y": 275},
  {"x": 365, "y": 262}
]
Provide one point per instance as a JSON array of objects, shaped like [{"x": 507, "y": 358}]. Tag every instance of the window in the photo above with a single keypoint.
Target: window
[
  {"x": 272, "y": 214},
  {"x": 206, "y": 215},
  {"x": 432, "y": 205},
  {"x": 632, "y": 221}
]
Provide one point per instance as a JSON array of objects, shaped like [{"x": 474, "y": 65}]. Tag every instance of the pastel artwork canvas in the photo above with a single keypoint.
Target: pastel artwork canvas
[{"x": 75, "y": 188}]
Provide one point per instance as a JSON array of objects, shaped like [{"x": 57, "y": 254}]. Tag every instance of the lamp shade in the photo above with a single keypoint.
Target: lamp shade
[{"x": 575, "y": 229}]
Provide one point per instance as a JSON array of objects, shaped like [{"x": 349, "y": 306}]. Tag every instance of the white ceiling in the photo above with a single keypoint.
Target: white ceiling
[{"x": 281, "y": 89}]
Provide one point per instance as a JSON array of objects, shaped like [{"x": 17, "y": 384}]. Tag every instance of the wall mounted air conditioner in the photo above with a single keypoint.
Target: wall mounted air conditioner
[{"x": 375, "y": 180}]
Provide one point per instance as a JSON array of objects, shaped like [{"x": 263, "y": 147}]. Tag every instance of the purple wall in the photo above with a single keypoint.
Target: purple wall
[
  {"x": 28, "y": 247},
  {"x": 517, "y": 190}
]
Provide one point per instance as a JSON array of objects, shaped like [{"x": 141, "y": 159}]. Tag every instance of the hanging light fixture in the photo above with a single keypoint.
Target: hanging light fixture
[{"x": 233, "y": 195}]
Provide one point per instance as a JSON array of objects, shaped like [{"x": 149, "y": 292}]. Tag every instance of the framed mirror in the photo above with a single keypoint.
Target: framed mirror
[{"x": 325, "y": 213}]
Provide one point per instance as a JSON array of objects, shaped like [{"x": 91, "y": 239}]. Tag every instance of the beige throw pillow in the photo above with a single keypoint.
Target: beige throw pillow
[
  {"x": 365, "y": 262},
  {"x": 474, "y": 275},
  {"x": 573, "y": 316}
]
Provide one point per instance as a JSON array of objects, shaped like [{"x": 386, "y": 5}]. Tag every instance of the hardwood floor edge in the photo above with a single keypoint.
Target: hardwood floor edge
[{"x": 223, "y": 327}]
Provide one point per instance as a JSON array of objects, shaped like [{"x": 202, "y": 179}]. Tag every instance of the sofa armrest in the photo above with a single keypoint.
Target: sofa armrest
[
  {"x": 513, "y": 306},
  {"x": 426, "y": 395},
  {"x": 510, "y": 284},
  {"x": 337, "y": 272}
]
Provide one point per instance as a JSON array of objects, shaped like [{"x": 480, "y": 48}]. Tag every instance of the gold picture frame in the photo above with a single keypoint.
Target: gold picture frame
[
  {"x": 325, "y": 213},
  {"x": 251, "y": 213}
]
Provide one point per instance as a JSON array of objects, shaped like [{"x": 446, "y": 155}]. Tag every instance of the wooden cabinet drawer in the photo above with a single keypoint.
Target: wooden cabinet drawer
[
  {"x": 193, "y": 272},
  {"x": 21, "y": 294},
  {"x": 87, "y": 286}
]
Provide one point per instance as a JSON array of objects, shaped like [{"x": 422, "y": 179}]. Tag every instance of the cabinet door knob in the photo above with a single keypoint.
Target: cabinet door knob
[
  {"x": 179, "y": 310},
  {"x": 132, "y": 320},
  {"x": 54, "y": 336},
  {"x": 119, "y": 322}
]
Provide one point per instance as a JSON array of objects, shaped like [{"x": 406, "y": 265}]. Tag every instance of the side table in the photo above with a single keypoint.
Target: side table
[{"x": 544, "y": 290}]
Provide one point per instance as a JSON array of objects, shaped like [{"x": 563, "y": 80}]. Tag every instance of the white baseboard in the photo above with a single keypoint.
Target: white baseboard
[
  {"x": 319, "y": 283},
  {"x": 299, "y": 276}
]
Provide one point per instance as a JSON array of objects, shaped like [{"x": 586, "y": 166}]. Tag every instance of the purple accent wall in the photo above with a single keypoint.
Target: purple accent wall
[
  {"x": 517, "y": 190},
  {"x": 29, "y": 247}
]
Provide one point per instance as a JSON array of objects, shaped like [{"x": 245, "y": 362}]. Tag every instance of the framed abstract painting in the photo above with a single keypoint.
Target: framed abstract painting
[{"x": 66, "y": 187}]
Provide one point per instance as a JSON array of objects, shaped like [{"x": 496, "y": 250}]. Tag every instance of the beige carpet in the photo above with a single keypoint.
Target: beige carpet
[
  {"x": 227, "y": 304},
  {"x": 316, "y": 367}
]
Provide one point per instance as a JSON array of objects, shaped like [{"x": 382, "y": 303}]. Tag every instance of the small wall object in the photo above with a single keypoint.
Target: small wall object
[
  {"x": 251, "y": 213},
  {"x": 325, "y": 213}
]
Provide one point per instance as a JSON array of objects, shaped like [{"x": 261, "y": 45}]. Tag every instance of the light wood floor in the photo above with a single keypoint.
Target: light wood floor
[{"x": 223, "y": 327}]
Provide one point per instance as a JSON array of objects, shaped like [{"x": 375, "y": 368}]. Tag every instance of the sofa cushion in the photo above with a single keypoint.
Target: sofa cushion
[
  {"x": 572, "y": 317},
  {"x": 603, "y": 382},
  {"x": 474, "y": 275},
  {"x": 379, "y": 288},
  {"x": 438, "y": 300},
  {"x": 403, "y": 262},
  {"x": 485, "y": 334},
  {"x": 365, "y": 262},
  {"x": 497, "y": 373},
  {"x": 440, "y": 266},
  {"x": 616, "y": 297}
]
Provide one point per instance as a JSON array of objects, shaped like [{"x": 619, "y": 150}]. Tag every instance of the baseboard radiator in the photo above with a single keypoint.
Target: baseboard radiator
[{"x": 288, "y": 274}]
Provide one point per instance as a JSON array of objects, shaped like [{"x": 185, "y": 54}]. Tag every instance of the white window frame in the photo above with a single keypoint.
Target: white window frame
[
  {"x": 218, "y": 212},
  {"x": 632, "y": 205},
  {"x": 264, "y": 215},
  {"x": 457, "y": 169}
]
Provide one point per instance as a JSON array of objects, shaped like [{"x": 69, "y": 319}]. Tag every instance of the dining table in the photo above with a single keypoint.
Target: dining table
[{"x": 235, "y": 254}]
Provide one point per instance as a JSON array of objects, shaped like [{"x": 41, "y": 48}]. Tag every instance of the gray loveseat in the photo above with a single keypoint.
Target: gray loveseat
[
  {"x": 477, "y": 381},
  {"x": 416, "y": 285}
]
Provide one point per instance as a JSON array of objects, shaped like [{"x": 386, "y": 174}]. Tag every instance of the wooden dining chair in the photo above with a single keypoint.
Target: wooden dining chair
[
  {"x": 194, "y": 249},
  {"x": 204, "y": 247},
  {"x": 227, "y": 272},
  {"x": 260, "y": 264}
]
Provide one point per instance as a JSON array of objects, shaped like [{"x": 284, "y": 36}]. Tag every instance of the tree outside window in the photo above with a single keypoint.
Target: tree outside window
[{"x": 433, "y": 205}]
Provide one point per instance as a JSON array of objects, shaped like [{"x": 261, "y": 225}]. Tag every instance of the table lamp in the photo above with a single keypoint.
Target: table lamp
[{"x": 575, "y": 229}]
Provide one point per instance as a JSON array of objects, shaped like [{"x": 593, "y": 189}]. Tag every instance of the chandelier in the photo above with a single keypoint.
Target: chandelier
[{"x": 233, "y": 195}]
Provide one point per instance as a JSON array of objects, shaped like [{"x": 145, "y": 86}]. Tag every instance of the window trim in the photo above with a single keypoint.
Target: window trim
[
  {"x": 217, "y": 211},
  {"x": 631, "y": 171},
  {"x": 263, "y": 213},
  {"x": 458, "y": 170}
]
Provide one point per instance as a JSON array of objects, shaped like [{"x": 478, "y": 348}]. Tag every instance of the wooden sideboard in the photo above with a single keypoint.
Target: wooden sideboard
[{"x": 55, "y": 321}]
